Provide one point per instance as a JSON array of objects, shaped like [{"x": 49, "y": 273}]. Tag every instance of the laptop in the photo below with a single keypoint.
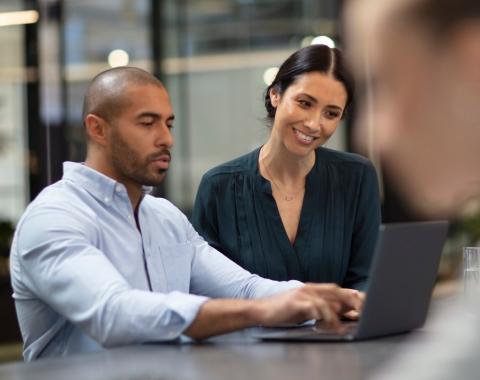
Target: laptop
[{"x": 401, "y": 280}]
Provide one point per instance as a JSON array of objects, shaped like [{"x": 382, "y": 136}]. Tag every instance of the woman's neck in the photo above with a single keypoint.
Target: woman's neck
[{"x": 286, "y": 168}]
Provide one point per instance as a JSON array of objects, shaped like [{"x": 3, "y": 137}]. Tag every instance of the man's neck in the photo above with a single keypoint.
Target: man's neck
[{"x": 134, "y": 191}]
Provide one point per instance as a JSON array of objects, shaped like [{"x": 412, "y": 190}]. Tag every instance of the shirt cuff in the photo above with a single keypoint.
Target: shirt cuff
[
  {"x": 283, "y": 286},
  {"x": 185, "y": 305}
]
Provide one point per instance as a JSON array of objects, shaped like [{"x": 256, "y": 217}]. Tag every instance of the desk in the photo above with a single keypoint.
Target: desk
[
  {"x": 231, "y": 356},
  {"x": 240, "y": 356}
]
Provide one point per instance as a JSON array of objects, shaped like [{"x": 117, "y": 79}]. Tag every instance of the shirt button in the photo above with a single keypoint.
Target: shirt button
[
  {"x": 118, "y": 188},
  {"x": 106, "y": 199}
]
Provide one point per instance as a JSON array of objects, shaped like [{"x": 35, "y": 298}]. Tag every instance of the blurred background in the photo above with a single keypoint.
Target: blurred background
[{"x": 215, "y": 58}]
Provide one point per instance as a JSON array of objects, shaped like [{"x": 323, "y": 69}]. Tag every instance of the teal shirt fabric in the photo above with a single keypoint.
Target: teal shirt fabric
[{"x": 237, "y": 214}]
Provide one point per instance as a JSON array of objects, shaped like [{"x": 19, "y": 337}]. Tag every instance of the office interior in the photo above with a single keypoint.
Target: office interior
[{"x": 215, "y": 58}]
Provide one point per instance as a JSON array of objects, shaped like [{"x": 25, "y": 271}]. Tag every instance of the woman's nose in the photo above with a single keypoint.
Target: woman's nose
[{"x": 314, "y": 123}]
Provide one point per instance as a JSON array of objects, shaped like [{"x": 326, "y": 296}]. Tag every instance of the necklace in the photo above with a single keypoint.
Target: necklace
[{"x": 288, "y": 197}]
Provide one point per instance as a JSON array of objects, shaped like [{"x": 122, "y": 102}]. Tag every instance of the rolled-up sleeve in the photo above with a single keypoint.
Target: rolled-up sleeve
[
  {"x": 216, "y": 276},
  {"x": 56, "y": 260}
]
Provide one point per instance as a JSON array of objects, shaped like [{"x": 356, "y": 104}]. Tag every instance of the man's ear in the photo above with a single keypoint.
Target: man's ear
[
  {"x": 96, "y": 129},
  {"x": 274, "y": 97}
]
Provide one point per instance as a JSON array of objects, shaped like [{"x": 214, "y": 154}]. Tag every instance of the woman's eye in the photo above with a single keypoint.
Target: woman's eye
[
  {"x": 304, "y": 103},
  {"x": 333, "y": 114}
]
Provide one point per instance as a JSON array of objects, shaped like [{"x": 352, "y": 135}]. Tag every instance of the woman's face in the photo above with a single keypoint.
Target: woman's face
[{"x": 308, "y": 112}]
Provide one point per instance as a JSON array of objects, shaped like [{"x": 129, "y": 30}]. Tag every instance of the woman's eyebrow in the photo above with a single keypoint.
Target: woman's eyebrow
[
  {"x": 314, "y": 100},
  {"x": 310, "y": 97},
  {"x": 335, "y": 107}
]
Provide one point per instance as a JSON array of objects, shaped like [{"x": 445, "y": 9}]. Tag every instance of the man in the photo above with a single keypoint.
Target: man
[
  {"x": 422, "y": 64},
  {"x": 96, "y": 261}
]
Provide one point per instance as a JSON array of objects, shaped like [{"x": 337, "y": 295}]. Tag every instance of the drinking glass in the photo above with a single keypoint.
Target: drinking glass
[{"x": 471, "y": 272}]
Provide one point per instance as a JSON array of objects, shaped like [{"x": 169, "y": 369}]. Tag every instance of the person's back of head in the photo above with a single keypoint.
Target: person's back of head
[
  {"x": 420, "y": 62},
  {"x": 440, "y": 18}
]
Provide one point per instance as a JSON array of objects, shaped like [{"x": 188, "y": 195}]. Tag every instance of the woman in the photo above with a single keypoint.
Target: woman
[{"x": 292, "y": 209}]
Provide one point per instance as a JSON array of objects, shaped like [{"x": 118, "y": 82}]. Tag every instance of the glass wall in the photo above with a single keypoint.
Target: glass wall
[
  {"x": 215, "y": 56},
  {"x": 14, "y": 75},
  {"x": 94, "y": 33},
  {"x": 211, "y": 54},
  {"x": 15, "y": 161}
]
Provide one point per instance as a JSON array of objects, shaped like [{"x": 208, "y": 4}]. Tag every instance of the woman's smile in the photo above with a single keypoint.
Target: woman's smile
[{"x": 302, "y": 137}]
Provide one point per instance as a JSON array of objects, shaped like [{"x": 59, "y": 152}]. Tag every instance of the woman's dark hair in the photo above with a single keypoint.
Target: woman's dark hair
[{"x": 319, "y": 58}]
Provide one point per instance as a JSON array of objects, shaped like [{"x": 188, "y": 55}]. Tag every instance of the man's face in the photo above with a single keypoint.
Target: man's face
[
  {"x": 416, "y": 117},
  {"x": 140, "y": 138}
]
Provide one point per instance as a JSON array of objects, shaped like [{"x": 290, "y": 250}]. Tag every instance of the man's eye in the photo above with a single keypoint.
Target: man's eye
[
  {"x": 147, "y": 123},
  {"x": 169, "y": 126}
]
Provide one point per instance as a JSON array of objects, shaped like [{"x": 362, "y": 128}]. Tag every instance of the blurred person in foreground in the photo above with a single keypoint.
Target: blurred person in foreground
[
  {"x": 420, "y": 63},
  {"x": 423, "y": 57},
  {"x": 292, "y": 208},
  {"x": 97, "y": 262}
]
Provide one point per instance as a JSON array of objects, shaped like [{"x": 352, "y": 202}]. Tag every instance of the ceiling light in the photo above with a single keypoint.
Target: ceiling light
[{"x": 18, "y": 18}]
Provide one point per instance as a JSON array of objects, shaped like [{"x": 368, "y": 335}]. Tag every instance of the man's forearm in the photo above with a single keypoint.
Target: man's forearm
[
  {"x": 311, "y": 301},
  {"x": 222, "y": 316}
]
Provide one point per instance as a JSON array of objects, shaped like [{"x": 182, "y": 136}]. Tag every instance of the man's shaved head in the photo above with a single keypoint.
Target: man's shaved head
[{"x": 106, "y": 93}]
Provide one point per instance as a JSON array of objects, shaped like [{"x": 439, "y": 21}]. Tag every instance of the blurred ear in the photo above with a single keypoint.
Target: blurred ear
[
  {"x": 465, "y": 42},
  {"x": 96, "y": 128},
  {"x": 274, "y": 97},
  {"x": 463, "y": 55}
]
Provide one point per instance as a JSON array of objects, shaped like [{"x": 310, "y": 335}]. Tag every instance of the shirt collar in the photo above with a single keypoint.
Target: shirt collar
[{"x": 99, "y": 185}]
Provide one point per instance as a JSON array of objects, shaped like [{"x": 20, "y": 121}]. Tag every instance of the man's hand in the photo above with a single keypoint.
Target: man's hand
[
  {"x": 354, "y": 314},
  {"x": 324, "y": 302},
  {"x": 313, "y": 301}
]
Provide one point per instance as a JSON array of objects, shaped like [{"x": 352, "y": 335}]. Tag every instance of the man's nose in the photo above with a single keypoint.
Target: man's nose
[{"x": 164, "y": 136}]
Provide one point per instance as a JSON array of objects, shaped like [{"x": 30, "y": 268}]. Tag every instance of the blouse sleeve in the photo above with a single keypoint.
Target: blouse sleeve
[
  {"x": 205, "y": 215},
  {"x": 367, "y": 221}
]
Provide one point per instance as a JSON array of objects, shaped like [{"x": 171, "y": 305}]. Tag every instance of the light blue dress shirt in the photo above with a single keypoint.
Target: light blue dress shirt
[{"x": 84, "y": 277}]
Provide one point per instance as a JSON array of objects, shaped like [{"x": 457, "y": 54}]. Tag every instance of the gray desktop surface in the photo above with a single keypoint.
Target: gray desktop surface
[{"x": 231, "y": 356}]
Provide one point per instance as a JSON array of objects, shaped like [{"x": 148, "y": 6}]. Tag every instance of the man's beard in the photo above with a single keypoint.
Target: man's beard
[{"x": 131, "y": 167}]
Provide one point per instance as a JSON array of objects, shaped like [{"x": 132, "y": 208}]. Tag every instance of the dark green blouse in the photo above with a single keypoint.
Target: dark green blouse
[{"x": 237, "y": 214}]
